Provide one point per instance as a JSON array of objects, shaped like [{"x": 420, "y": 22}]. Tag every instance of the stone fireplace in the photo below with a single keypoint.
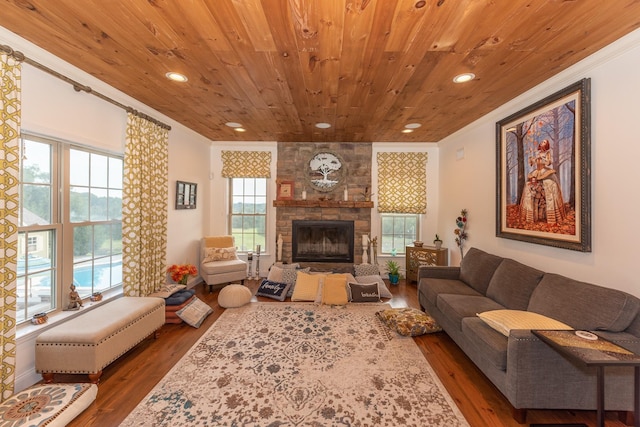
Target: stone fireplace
[
  {"x": 324, "y": 206},
  {"x": 322, "y": 241}
]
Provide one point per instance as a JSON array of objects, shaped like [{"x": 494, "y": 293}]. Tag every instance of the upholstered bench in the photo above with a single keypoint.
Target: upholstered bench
[{"x": 91, "y": 341}]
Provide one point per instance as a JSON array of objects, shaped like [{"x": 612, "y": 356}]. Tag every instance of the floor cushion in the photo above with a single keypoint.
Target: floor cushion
[
  {"x": 234, "y": 295},
  {"x": 179, "y": 297},
  {"x": 195, "y": 312},
  {"x": 408, "y": 321},
  {"x": 48, "y": 405}
]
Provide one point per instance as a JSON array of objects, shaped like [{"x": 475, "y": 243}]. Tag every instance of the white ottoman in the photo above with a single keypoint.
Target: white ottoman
[{"x": 232, "y": 296}]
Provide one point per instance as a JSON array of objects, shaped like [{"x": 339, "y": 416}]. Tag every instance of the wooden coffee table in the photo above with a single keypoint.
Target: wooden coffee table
[{"x": 596, "y": 353}]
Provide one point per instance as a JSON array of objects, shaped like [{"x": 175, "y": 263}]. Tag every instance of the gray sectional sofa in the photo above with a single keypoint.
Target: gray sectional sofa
[{"x": 529, "y": 373}]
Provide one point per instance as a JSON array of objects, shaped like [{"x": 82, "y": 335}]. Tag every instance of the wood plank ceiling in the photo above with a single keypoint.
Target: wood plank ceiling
[{"x": 367, "y": 67}]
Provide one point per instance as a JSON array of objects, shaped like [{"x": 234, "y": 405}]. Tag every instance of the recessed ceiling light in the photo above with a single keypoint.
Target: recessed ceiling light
[
  {"x": 176, "y": 77},
  {"x": 240, "y": 129},
  {"x": 406, "y": 130},
  {"x": 323, "y": 125},
  {"x": 463, "y": 78},
  {"x": 233, "y": 125},
  {"x": 413, "y": 125}
]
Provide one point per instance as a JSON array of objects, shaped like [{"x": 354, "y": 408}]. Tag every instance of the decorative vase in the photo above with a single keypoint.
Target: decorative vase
[
  {"x": 438, "y": 244},
  {"x": 394, "y": 278}
]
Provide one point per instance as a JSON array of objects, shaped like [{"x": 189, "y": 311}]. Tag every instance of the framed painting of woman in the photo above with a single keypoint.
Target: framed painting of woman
[{"x": 543, "y": 154}]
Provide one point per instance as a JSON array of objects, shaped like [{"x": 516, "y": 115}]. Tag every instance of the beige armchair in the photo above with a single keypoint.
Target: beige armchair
[{"x": 219, "y": 262}]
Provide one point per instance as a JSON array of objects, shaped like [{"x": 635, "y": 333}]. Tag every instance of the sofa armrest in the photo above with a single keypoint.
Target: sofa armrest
[{"x": 438, "y": 272}]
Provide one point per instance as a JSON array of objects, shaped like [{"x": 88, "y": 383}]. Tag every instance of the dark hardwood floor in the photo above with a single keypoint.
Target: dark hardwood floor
[{"x": 126, "y": 381}]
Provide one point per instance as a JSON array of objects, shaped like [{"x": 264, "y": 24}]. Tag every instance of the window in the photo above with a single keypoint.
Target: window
[
  {"x": 83, "y": 246},
  {"x": 248, "y": 213},
  {"x": 37, "y": 222},
  {"x": 398, "y": 231},
  {"x": 95, "y": 211}
]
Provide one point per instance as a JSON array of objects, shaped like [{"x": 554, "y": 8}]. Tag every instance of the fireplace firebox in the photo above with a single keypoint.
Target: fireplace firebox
[{"x": 322, "y": 241}]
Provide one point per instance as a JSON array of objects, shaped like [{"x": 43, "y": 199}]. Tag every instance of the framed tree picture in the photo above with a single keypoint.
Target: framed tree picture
[
  {"x": 186, "y": 193},
  {"x": 543, "y": 156}
]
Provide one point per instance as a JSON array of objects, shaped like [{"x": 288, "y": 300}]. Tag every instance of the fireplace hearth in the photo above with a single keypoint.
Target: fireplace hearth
[{"x": 322, "y": 241}]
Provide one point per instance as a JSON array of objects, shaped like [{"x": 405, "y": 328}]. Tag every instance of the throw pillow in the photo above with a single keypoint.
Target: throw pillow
[
  {"x": 366, "y": 269},
  {"x": 505, "y": 320},
  {"x": 275, "y": 290},
  {"x": 306, "y": 287},
  {"x": 363, "y": 292},
  {"x": 167, "y": 290},
  {"x": 384, "y": 291},
  {"x": 408, "y": 321},
  {"x": 276, "y": 272},
  {"x": 47, "y": 404},
  {"x": 334, "y": 290},
  {"x": 234, "y": 295},
  {"x": 289, "y": 275},
  {"x": 219, "y": 254},
  {"x": 195, "y": 312}
]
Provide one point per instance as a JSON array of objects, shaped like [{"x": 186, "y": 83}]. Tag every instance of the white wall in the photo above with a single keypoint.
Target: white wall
[{"x": 471, "y": 182}]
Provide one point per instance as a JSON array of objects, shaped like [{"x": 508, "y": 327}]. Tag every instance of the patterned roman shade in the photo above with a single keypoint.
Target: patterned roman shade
[
  {"x": 246, "y": 164},
  {"x": 402, "y": 182}
]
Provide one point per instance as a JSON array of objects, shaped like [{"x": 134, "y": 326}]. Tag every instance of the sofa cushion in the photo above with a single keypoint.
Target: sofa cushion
[
  {"x": 477, "y": 268},
  {"x": 492, "y": 344},
  {"x": 583, "y": 305},
  {"x": 431, "y": 288},
  {"x": 457, "y": 307},
  {"x": 512, "y": 284}
]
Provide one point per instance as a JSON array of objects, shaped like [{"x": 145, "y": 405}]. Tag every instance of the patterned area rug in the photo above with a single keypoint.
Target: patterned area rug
[{"x": 298, "y": 364}]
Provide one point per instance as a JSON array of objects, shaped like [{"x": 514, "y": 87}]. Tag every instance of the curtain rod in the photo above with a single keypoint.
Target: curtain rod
[{"x": 19, "y": 56}]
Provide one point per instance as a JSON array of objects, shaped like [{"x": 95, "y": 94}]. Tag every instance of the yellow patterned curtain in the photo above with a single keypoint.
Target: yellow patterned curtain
[
  {"x": 402, "y": 183},
  {"x": 246, "y": 164},
  {"x": 9, "y": 157},
  {"x": 144, "y": 207}
]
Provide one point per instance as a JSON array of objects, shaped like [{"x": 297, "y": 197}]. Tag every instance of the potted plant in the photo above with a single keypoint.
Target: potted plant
[
  {"x": 437, "y": 242},
  {"x": 394, "y": 271}
]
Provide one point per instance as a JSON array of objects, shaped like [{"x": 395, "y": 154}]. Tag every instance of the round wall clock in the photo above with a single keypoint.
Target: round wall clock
[{"x": 325, "y": 171}]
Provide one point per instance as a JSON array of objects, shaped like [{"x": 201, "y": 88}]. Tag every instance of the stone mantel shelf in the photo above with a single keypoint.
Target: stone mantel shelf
[{"x": 322, "y": 204}]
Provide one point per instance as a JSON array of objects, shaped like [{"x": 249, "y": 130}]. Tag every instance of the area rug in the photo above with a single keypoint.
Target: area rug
[{"x": 298, "y": 364}]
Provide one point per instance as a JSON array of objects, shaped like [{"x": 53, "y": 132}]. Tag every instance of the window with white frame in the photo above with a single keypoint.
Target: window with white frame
[
  {"x": 95, "y": 216},
  {"x": 83, "y": 246},
  {"x": 248, "y": 213},
  {"x": 398, "y": 232}
]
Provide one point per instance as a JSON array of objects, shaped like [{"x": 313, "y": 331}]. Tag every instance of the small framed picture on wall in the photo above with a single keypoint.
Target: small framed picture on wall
[
  {"x": 285, "y": 190},
  {"x": 186, "y": 193}
]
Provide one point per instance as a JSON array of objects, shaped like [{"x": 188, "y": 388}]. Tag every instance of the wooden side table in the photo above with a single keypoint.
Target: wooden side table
[
  {"x": 426, "y": 255},
  {"x": 597, "y": 353}
]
